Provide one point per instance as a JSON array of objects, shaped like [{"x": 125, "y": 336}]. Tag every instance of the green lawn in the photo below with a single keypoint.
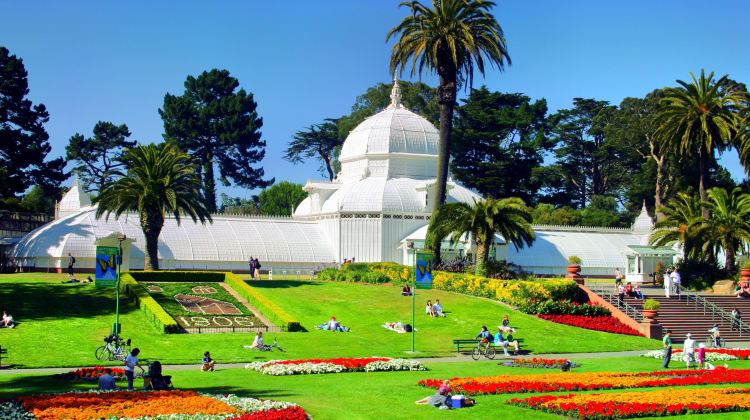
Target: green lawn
[
  {"x": 358, "y": 395},
  {"x": 62, "y": 324}
]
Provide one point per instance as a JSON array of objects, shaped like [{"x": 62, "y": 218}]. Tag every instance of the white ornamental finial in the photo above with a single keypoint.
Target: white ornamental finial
[{"x": 395, "y": 93}]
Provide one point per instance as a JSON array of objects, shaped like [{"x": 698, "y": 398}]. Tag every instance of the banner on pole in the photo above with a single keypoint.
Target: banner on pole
[
  {"x": 106, "y": 265},
  {"x": 423, "y": 270}
]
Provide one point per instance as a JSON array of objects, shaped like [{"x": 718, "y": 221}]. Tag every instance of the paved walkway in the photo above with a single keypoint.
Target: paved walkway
[{"x": 453, "y": 359}]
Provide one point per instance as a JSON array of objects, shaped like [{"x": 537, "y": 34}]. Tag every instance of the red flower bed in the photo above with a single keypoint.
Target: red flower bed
[
  {"x": 508, "y": 384},
  {"x": 347, "y": 362},
  {"x": 538, "y": 362},
  {"x": 92, "y": 372},
  {"x": 291, "y": 413},
  {"x": 599, "y": 323}
]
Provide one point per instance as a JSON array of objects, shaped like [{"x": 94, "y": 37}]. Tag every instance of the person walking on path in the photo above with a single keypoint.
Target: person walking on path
[
  {"x": 688, "y": 350},
  {"x": 71, "y": 263},
  {"x": 257, "y": 269},
  {"x": 621, "y": 294},
  {"x": 130, "y": 363},
  {"x": 676, "y": 281},
  {"x": 252, "y": 268},
  {"x": 618, "y": 277},
  {"x": 667, "y": 344},
  {"x": 667, "y": 283},
  {"x": 736, "y": 318}
]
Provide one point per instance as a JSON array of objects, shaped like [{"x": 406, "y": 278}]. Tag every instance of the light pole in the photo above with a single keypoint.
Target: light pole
[{"x": 116, "y": 328}]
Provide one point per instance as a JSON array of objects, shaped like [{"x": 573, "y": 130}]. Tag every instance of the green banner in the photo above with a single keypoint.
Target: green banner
[{"x": 423, "y": 270}]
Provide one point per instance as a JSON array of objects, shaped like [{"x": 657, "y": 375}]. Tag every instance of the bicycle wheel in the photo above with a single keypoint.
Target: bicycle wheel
[
  {"x": 490, "y": 353},
  {"x": 102, "y": 353},
  {"x": 476, "y": 353}
]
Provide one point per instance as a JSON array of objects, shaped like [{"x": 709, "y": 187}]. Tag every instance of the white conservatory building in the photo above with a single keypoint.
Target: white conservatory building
[{"x": 377, "y": 209}]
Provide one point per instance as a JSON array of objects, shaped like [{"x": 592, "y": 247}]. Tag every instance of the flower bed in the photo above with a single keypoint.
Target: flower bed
[
  {"x": 507, "y": 384},
  {"x": 182, "y": 405},
  {"x": 317, "y": 366},
  {"x": 621, "y": 405},
  {"x": 92, "y": 373},
  {"x": 712, "y": 355},
  {"x": 539, "y": 363},
  {"x": 598, "y": 323}
]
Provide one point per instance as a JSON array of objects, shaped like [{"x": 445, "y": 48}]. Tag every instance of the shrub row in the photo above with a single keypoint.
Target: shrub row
[
  {"x": 179, "y": 276},
  {"x": 268, "y": 308},
  {"x": 562, "y": 307},
  {"x": 373, "y": 273},
  {"x": 519, "y": 293},
  {"x": 154, "y": 312}
]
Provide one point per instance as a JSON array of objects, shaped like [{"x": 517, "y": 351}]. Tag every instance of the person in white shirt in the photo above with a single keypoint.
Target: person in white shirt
[
  {"x": 676, "y": 281},
  {"x": 618, "y": 277},
  {"x": 130, "y": 363},
  {"x": 257, "y": 341},
  {"x": 667, "y": 283},
  {"x": 688, "y": 348}
]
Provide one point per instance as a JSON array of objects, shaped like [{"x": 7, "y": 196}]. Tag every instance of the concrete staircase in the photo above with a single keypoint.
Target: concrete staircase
[{"x": 686, "y": 315}]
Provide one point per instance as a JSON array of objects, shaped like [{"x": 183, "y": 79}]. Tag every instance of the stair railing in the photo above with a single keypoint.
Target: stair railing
[
  {"x": 709, "y": 307},
  {"x": 614, "y": 300}
]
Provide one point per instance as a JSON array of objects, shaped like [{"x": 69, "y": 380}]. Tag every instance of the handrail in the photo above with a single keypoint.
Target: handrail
[
  {"x": 629, "y": 310},
  {"x": 710, "y": 306}
]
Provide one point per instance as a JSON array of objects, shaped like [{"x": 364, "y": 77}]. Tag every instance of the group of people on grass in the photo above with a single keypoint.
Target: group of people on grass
[
  {"x": 434, "y": 309},
  {"x": 503, "y": 338},
  {"x": 691, "y": 355}
]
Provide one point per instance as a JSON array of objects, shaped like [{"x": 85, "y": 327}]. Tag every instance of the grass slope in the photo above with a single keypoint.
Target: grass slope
[{"x": 62, "y": 324}]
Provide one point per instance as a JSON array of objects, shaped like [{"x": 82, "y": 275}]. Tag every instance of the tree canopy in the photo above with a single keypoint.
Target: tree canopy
[
  {"x": 281, "y": 199},
  {"x": 95, "y": 157},
  {"x": 318, "y": 141},
  {"x": 218, "y": 126}
]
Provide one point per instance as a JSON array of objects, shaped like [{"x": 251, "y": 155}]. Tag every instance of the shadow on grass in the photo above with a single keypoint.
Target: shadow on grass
[
  {"x": 282, "y": 284},
  {"x": 29, "y": 301}
]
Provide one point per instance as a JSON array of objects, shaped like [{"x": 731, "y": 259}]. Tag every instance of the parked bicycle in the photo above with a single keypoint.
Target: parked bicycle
[
  {"x": 269, "y": 347},
  {"x": 711, "y": 342},
  {"x": 114, "y": 348},
  {"x": 483, "y": 349}
]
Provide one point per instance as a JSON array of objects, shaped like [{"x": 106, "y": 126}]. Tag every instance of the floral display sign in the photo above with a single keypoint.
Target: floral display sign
[
  {"x": 177, "y": 405},
  {"x": 318, "y": 366},
  {"x": 621, "y": 405},
  {"x": 508, "y": 384}
]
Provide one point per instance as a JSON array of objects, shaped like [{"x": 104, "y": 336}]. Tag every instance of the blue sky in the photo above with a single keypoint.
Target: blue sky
[{"x": 306, "y": 61}]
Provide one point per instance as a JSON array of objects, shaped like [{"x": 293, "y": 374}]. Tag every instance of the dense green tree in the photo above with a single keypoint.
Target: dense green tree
[
  {"x": 158, "y": 180},
  {"x": 95, "y": 156},
  {"x": 502, "y": 137},
  {"x": 281, "y": 199},
  {"x": 318, "y": 141},
  {"x": 699, "y": 118},
  {"x": 728, "y": 228},
  {"x": 24, "y": 142},
  {"x": 219, "y": 126},
  {"x": 236, "y": 205},
  {"x": 37, "y": 201},
  {"x": 508, "y": 217},
  {"x": 589, "y": 163},
  {"x": 681, "y": 215},
  {"x": 547, "y": 214},
  {"x": 451, "y": 39}
]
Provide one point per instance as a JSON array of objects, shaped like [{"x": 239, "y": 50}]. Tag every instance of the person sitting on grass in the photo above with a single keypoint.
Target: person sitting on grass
[
  {"x": 8, "y": 320},
  {"x": 207, "y": 363},
  {"x": 504, "y": 342},
  {"x": 257, "y": 342},
  {"x": 437, "y": 308},
  {"x": 440, "y": 399},
  {"x": 333, "y": 325},
  {"x": 107, "y": 381},
  {"x": 429, "y": 309},
  {"x": 406, "y": 290}
]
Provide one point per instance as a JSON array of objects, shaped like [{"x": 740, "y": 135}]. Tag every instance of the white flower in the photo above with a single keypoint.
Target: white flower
[{"x": 395, "y": 364}]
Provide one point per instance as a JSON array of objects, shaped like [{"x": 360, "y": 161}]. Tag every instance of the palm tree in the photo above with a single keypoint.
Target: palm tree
[
  {"x": 701, "y": 117},
  {"x": 160, "y": 180},
  {"x": 451, "y": 38},
  {"x": 728, "y": 228},
  {"x": 508, "y": 216},
  {"x": 681, "y": 215}
]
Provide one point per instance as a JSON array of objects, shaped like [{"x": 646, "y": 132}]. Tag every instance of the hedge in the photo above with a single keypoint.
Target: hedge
[
  {"x": 268, "y": 308},
  {"x": 518, "y": 293},
  {"x": 154, "y": 312},
  {"x": 179, "y": 276},
  {"x": 373, "y": 273}
]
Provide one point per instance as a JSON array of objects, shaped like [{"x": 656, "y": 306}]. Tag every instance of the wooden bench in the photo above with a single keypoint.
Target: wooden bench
[
  {"x": 3, "y": 351},
  {"x": 468, "y": 344}
]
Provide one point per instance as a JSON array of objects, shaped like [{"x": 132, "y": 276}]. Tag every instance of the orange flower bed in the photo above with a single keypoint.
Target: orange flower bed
[
  {"x": 618, "y": 405},
  {"x": 85, "y": 406}
]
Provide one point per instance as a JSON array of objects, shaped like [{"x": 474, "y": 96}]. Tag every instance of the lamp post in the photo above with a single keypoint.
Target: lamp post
[{"x": 116, "y": 328}]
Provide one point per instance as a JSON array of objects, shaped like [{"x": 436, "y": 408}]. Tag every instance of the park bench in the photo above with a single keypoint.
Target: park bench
[
  {"x": 468, "y": 344},
  {"x": 3, "y": 351}
]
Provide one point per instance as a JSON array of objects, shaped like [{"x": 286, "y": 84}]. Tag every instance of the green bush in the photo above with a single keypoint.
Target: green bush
[
  {"x": 745, "y": 265},
  {"x": 563, "y": 307},
  {"x": 268, "y": 308},
  {"x": 179, "y": 276},
  {"x": 150, "y": 307},
  {"x": 574, "y": 260},
  {"x": 372, "y": 273},
  {"x": 651, "y": 305}
]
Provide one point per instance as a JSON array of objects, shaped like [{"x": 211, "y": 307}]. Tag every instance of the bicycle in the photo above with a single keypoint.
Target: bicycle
[
  {"x": 711, "y": 342},
  {"x": 485, "y": 349},
  {"x": 267, "y": 347},
  {"x": 114, "y": 349}
]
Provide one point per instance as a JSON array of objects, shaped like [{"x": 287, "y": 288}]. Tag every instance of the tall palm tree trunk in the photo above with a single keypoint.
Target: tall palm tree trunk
[
  {"x": 729, "y": 260},
  {"x": 483, "y": 254},
  {"x": 703, "y": 183},
  {"x": 658, "y": 203},
  {"x": 151, "y": 222}
]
